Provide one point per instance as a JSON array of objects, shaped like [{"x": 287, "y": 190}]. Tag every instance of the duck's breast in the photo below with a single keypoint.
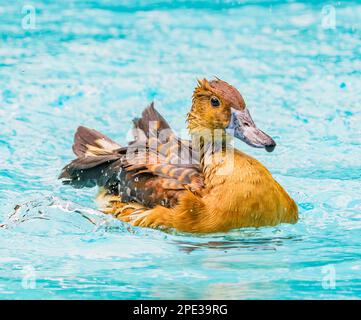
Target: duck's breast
[{"x": 249, "y": 196}]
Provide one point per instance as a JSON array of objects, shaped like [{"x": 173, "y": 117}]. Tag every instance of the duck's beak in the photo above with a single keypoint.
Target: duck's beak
[{"x": 242, "y": 126}]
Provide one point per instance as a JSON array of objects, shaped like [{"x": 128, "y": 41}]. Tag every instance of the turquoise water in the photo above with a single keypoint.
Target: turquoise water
[{"x": 99, "y": 64}]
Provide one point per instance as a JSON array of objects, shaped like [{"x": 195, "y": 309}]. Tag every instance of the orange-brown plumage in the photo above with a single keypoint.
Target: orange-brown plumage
[{"x": 202, "y": 185}]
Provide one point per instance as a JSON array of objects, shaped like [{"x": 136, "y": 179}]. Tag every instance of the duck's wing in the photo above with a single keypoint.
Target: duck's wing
[
  {"x": 161, "y": 165},
  {"x": 157, "y": 150},
  {"x": 153, "y": 169}
]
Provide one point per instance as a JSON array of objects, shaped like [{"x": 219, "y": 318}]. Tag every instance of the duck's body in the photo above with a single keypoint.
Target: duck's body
[
  {"x": 225, "y": 189},
  {"x": 249, "y": 197}
]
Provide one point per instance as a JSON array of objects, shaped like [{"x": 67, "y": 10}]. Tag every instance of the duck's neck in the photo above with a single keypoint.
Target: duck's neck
[
  {"x": 210, "y": 147},
  {"x": 209, "y": 143}
]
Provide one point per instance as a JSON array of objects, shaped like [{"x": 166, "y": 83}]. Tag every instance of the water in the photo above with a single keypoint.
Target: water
[{"x": 99, "y": 64}]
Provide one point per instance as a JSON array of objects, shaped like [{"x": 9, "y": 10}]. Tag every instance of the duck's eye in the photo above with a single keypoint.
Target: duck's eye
[{"x": 215, "y": 102}]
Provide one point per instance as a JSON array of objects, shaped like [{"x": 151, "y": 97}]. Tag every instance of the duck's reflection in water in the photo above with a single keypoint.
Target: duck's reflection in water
[{"x": 253, "y": 244}]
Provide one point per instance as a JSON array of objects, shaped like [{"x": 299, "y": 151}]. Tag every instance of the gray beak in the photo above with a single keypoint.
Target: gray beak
[{"x": 242, "y": 126}]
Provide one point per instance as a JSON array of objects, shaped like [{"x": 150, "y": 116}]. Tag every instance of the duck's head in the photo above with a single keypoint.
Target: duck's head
[{"x": 218, "y": 105}]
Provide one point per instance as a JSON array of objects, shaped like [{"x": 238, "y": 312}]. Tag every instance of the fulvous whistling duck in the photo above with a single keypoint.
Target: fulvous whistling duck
[{"x": 202, "y": 185}]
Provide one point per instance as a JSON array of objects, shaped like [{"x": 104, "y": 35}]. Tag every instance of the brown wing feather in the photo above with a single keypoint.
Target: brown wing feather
[
  {"x": 156, "y": 172},
  {"x": 153, "y": 169},
  {"x": 163, "y": 154},
  {"x": 85, "y": 138}
]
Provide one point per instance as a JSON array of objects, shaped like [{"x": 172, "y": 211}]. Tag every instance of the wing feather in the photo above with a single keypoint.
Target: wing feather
[{"x": 155, "y": 168}]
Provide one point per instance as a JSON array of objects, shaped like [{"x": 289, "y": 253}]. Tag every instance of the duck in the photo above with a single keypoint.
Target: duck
[{"x": 201, "y": 185}]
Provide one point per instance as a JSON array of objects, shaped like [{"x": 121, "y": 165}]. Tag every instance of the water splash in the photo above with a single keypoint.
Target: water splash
[{"x": 52, "y": 214}]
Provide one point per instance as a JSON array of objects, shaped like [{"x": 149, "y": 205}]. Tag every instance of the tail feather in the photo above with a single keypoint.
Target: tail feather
[
  {"x": 98, "y": 159},
  {"x": 91, "y": 142}
]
